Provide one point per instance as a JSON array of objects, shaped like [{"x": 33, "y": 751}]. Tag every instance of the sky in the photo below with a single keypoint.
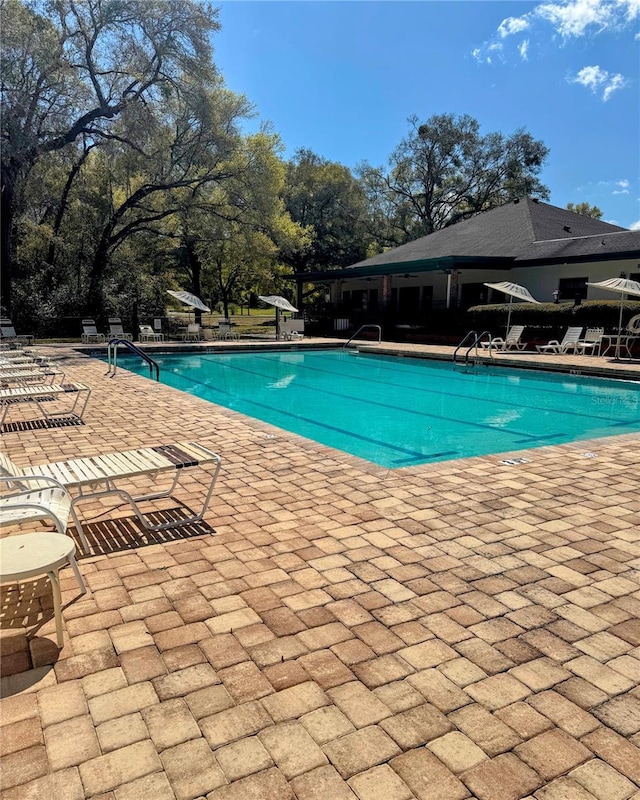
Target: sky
[{"x": 342, "y": 78}]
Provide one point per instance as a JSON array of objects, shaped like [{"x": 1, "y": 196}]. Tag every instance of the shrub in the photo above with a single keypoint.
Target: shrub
[{"x": 553, "y": 316}]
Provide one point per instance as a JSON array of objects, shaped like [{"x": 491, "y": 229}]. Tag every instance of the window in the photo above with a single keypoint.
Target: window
[{"x": 573, "y": 288}]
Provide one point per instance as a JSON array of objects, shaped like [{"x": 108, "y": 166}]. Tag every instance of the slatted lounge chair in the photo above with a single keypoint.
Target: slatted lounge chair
[
  {"x": 99, "y": 475},
  {"x": 76, "y": 393},
  {"x": 592, "y": 341},
  {"x": 510, "y": 342},
  {"x": 90, "y": 332},
  {"x": 33, "y": 498},
  {"x": 8, "y": 333},
  {"x": 193, "y": 333},
  {"x": 569, "y": 342},
  {"x": 147, "y": 334},
  {"x": 28, "y": 373},
  {"x": 116, "y": 330}
]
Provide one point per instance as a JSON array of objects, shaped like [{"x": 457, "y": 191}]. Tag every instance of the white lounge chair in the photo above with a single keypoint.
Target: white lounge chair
[
  {"x": 8, "y": 333},
  {"x": 510, "y": 342},
  {"x": 592, "y": 341},
  {"x": 193, "y": 333},
  {"x": 116, "y": 330},
  {"x": 225, "y": 331},
  {"x": 29, "y": 373},
  {"x": 90, "y": 332},
  {"x": 32, "y": 498},
  {"x": 293, "y": 329},
  {"x": 569, "y": 342},
  {"x": 147, "y": 334},
  {"x": 100, "y": 475},
  {"x": 38, "y": 395}
]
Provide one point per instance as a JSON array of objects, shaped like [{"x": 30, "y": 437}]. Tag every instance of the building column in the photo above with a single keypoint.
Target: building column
[
  {"x": 385, "y": 295},
  {"x": 452, "y": 288}
]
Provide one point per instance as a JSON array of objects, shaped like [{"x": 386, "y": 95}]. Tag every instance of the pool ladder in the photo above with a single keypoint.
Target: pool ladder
[
  {"x": 112, "y": 357},
  {"x": 477, "y": 337},
  {"x": 360, "y": 329}
]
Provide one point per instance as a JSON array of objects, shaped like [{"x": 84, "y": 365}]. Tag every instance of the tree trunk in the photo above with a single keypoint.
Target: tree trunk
[{"x": 6, "y": 255}]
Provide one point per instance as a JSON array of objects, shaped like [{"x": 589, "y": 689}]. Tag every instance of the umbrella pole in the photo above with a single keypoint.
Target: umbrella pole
[
  {"x": 277, "y": 324},
  {"x": 508, "y": 317},
  {"x": 619, "y": 328}
]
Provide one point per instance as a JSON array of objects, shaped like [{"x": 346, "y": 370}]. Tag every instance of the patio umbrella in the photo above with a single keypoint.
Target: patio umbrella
[
  {"x": 623, "y": 286},
  {"x": 189, "y": 300},
  {"x": 513, "y": 290},
  {"x": 280, "y": 304}
]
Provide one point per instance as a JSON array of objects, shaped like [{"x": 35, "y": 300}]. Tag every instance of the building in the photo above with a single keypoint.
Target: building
[{"x": 545, "y": 248}]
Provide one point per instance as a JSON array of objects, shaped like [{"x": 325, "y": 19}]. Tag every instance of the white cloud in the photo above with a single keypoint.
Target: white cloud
[
  {"x": 623, "y": 187},
  {"x": 575, "y": 17},
  {"x": 635, "y": 226},
  {"x": 512, "y": 25},
  {"x": 523, "y": 49},
  {"x": 597, "y": 79}
]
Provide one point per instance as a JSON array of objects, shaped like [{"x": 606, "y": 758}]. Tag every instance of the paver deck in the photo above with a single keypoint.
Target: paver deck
[{"x": 469, "y": 629}]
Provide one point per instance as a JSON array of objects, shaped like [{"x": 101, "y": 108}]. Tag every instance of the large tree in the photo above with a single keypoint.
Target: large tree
[
  {"x": 71, "y": 69},
  {"x": 446, "y": 170},
  {"x": 325, "y": 197},
  {"x": 585, "y": 209}
]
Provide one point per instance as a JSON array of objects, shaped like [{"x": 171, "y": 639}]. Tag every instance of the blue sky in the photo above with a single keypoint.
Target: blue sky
[{"x": 341, "y": 78}]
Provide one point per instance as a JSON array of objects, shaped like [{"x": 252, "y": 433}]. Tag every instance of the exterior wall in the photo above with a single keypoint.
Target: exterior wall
[{"x": 541, "y": 281}]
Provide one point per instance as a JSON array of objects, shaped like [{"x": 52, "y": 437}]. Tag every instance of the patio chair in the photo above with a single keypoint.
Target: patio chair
[
  {"x": 8, "y": 333},
  {"x": 116, "y": 330},
  {"x": 293, "y": 329},
  {"x": 592, "y": 341},
  {"x": 90, "y": 332},
  {"x": 29, "y": 373},
  {"x": 510, "y": 342},
  {"x": 41, "y": 394},
  {"x": 569, "y": 342},
  {"x": 100, "y": 476},
  {"x": 35, "y": 498},
  {"x": 147, "y": 334},
  {"x": 193, "y": 333},
  {"x": 225, "y": 331}
]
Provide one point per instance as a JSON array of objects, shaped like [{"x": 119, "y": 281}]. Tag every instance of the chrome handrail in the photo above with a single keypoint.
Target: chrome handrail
[
  {"x": 113, "y": 343},
  {"x": 474, "y": 343},
  {"x": 361, "y": 328}
]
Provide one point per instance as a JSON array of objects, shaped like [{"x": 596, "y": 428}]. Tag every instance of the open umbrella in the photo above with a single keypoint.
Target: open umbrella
[
  {"x": 623, "y": 286},
  {"x": 513, "y": 290},
  {"x": 280, "y": 304},
  {"x": 189, "y": 300}
]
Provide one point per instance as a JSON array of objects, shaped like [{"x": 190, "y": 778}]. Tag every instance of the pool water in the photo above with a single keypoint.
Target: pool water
[{"x": 399, "y": 412}]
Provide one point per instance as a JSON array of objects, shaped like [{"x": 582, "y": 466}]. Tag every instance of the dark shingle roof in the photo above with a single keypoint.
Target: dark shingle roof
[{"x": 519, "y": 231}]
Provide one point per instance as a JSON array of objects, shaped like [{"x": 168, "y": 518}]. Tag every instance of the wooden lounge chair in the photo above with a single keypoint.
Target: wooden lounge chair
[
  {"x": 38, "y": 395},
  {"x": 510, "y": 342},
  {"x": 569, "y": 342},
  {"x": 100, "y": 475}
]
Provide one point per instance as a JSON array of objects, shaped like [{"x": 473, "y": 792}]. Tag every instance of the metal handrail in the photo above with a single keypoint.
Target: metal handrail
[
  {"x": 361, "y": 328},
  {"x": 476, "y": 340},
  {"x": 113, "y": 343}
]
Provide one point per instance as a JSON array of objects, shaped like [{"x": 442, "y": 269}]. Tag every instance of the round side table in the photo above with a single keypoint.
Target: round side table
[{"x": 29, "y": 554}]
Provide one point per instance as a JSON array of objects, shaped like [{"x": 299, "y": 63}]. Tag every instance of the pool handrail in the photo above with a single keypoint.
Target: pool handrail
[
  {"x": 113, "y": 366},
  {"x": 474, "y": 343},
  {"x": 361, "y": 328}
]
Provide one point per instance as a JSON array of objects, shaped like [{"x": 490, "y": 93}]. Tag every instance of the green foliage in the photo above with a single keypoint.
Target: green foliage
[
  {"x": 553, "y": 316},
  {"x": 585, "y": 209}
]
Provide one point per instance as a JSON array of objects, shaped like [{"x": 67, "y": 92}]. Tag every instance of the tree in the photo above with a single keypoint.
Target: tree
[
  {"x": 325, "y": 197},
  {"x": 585, "y": 209},
  {"x": 444, "y": 171},
  {"x": 71, "y": 69}
]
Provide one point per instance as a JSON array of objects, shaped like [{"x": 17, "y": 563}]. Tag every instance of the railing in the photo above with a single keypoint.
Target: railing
[
  {"x": 362, "y": 328},
  {"x": 476, "y": 341},
  {"x": 112, "y": 357}
]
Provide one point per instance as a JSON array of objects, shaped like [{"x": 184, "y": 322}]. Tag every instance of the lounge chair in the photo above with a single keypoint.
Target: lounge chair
[
  {"x": 29, "y": 373},
  {"x": 510, "y": 342},
  {"x": 8, "y": 333},
  {"x": 569, "y": 342},
  {"x": 41, "y": 394},
  {"x": 592, "y": 341},
  {"x": 225, "y": 331},
  {"x": 116, "y": 330},
  {"x": 193, "y": 333},
  {"x": 98, "y": 476},
  {"x": 33, "y": 498},
  {"x": 90, "y": 332},
  {"x": 147, "y": 334},
  {"x": 293, "y": 329}
]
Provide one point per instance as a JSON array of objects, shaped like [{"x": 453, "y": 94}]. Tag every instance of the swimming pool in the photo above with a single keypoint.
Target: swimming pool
[{"x": 399, "y": 412}]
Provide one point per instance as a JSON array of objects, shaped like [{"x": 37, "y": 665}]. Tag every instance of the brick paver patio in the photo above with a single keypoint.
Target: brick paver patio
[{"x": 334, "y": 630}]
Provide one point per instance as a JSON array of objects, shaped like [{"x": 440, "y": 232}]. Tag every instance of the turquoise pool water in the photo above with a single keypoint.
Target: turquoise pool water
[{"x": 398, "y": 412}]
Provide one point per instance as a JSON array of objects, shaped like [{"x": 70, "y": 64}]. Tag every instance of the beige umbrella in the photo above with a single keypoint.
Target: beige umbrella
[
  {"x": 513, "y": 290},
  {"x": 280, "y": 304},
  {"x": 623, "y": 286}
]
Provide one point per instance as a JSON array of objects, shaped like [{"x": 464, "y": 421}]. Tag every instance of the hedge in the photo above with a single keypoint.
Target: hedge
[{"x": 589, "y": 314}]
